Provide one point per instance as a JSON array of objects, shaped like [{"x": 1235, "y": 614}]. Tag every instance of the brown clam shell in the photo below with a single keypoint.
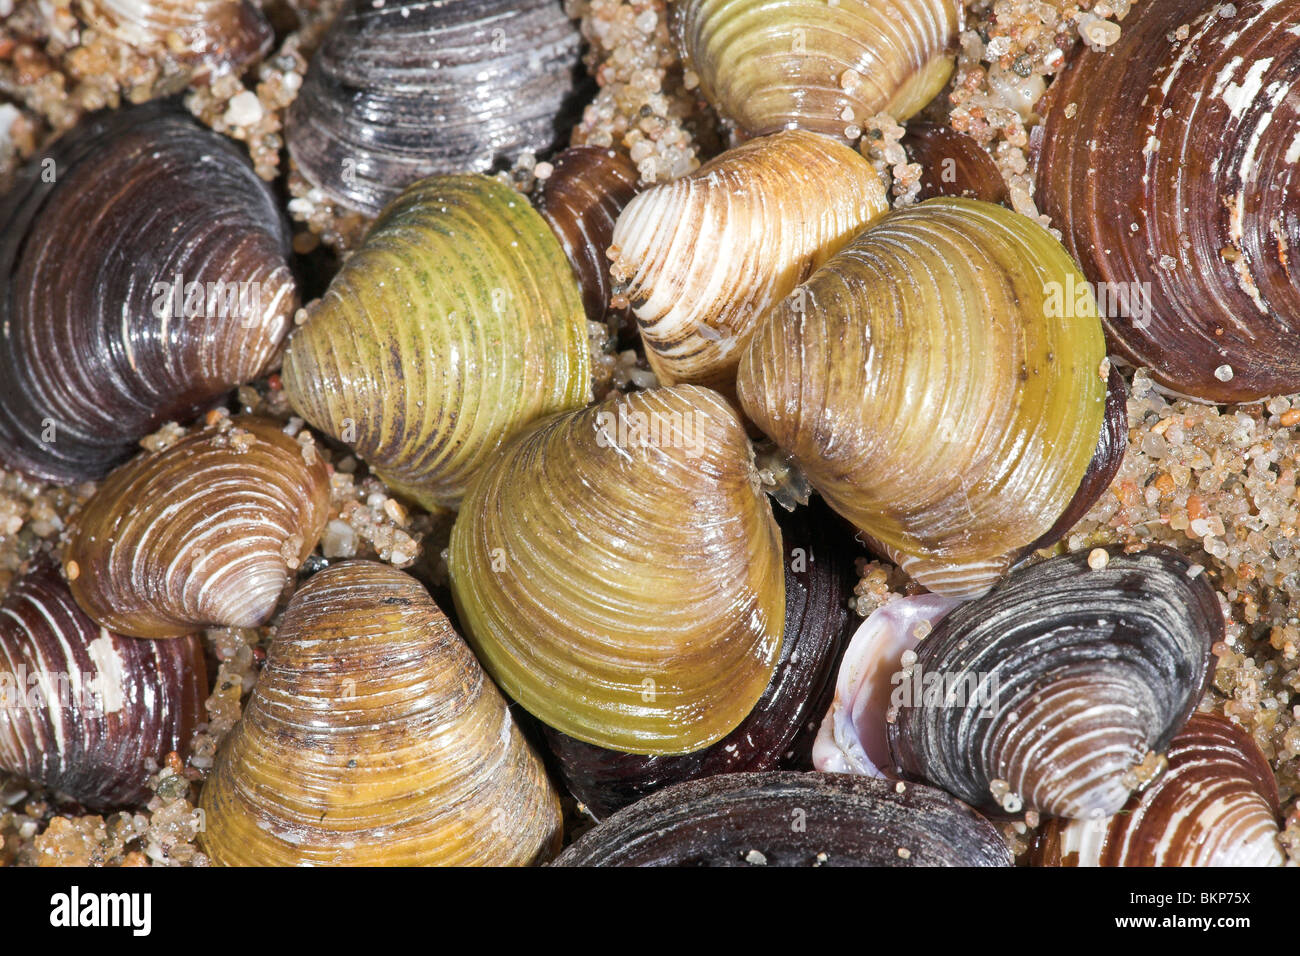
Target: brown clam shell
[
  {"x": 1170, "y": 167},
  {"x": 207, "y": 532},
  {"x": 84, "y": 711}
]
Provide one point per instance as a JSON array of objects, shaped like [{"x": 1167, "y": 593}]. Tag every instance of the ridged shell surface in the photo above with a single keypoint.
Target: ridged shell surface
[
  {"x": 374, "y": 738},
  {"x": 926, "y": 388},
  {"x": 403, "y": 90},
  {"x": 82, "y": 710},
  {"x": 219, "y": 35},
  {"x": 701, "y": 258},
  {"x": 1215, "y": 805},
  {"x": 456, "y": 323},
  {"x": 1170, "y": 165},
  {"x": 776, "y": 734},
  {"x": 207, "y": 532},
  {"x": 619, "y": 573},
  {"x": 1059, "y": 683},
  {"x": 781, "y": 64},
  {"x": 143, "y": 275},
  {"x": 792, "y": 819}
]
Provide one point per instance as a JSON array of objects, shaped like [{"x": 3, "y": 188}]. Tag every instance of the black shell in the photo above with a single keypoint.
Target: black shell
[
  {"x": 792, "y": 819},
  {"x": 1060, "y": 681},
  {"x": 779, "y": 731},
  {"x": 94, "y": 353},
  {"x": 403, "y": 90}
]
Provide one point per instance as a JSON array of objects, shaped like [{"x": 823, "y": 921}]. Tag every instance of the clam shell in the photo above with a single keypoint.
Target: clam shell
[
  {"x": 218, "y": 36},
  {"x": 953, "y": 164},
  {"x": 143, "y": 274},
  {"x": 206, "y": 533},
  {"x": 770, "y": 65},
  {"x": 702, "y": 257},
  {"x": 926, "y": 389},
  {"x": 619, "y": 573},
  {"x": 1170, "y": 167},
  {"x": 403, "y": 90},
  {"x": 792, "y": 819},
  {"x": 84, "y": 711},
  {"x": 581, "y": 201},
  {"x": 373, "y": 737},
  {"x": 1215, "y": 805},
  {"x": 456, "y": 323},
  {"x": 1059, "y": 682},
  {"x": 819, "y": 580}
]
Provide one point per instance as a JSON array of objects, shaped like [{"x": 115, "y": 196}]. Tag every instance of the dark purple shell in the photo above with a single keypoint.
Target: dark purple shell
[
  {"x": 82, "y": 710},
  {"x": 792, "y": 819},
  {"x": 779, "y": 731},
  {"x": 95, "y": 350},
  {"x": 1105, "y": 464}
]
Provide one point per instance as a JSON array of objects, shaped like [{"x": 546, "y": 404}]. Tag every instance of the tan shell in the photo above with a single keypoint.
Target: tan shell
[
  {"x": 207, "y": 532},
  {"x": 702, "y": 257},
  {"x": 373, "y": 737}
]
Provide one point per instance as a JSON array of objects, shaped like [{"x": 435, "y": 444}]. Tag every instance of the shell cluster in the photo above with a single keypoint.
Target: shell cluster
[{"x": 633, "y": 620}]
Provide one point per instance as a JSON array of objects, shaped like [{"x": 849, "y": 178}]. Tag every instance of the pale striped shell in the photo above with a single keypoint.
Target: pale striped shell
[
  {"x": 618, "y": 572},
  {"x": 1216, "y": 804},
  {"x": 207, "y": 532},
  {"x": 702, "y": 257},
  {"x": 84, "y": 711},
  {"x": 1059, "y": 683},
  {"x": 217, "y": 35},
  {"x": 817, "y": 65},
  {"x": 373, "y": 737}
]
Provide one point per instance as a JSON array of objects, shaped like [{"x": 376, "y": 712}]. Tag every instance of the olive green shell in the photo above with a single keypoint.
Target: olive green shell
[
  {"x": 458, "y": 321},
  {"x": 940, "y": 382},
  {"x": 620, "y": 575}
]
